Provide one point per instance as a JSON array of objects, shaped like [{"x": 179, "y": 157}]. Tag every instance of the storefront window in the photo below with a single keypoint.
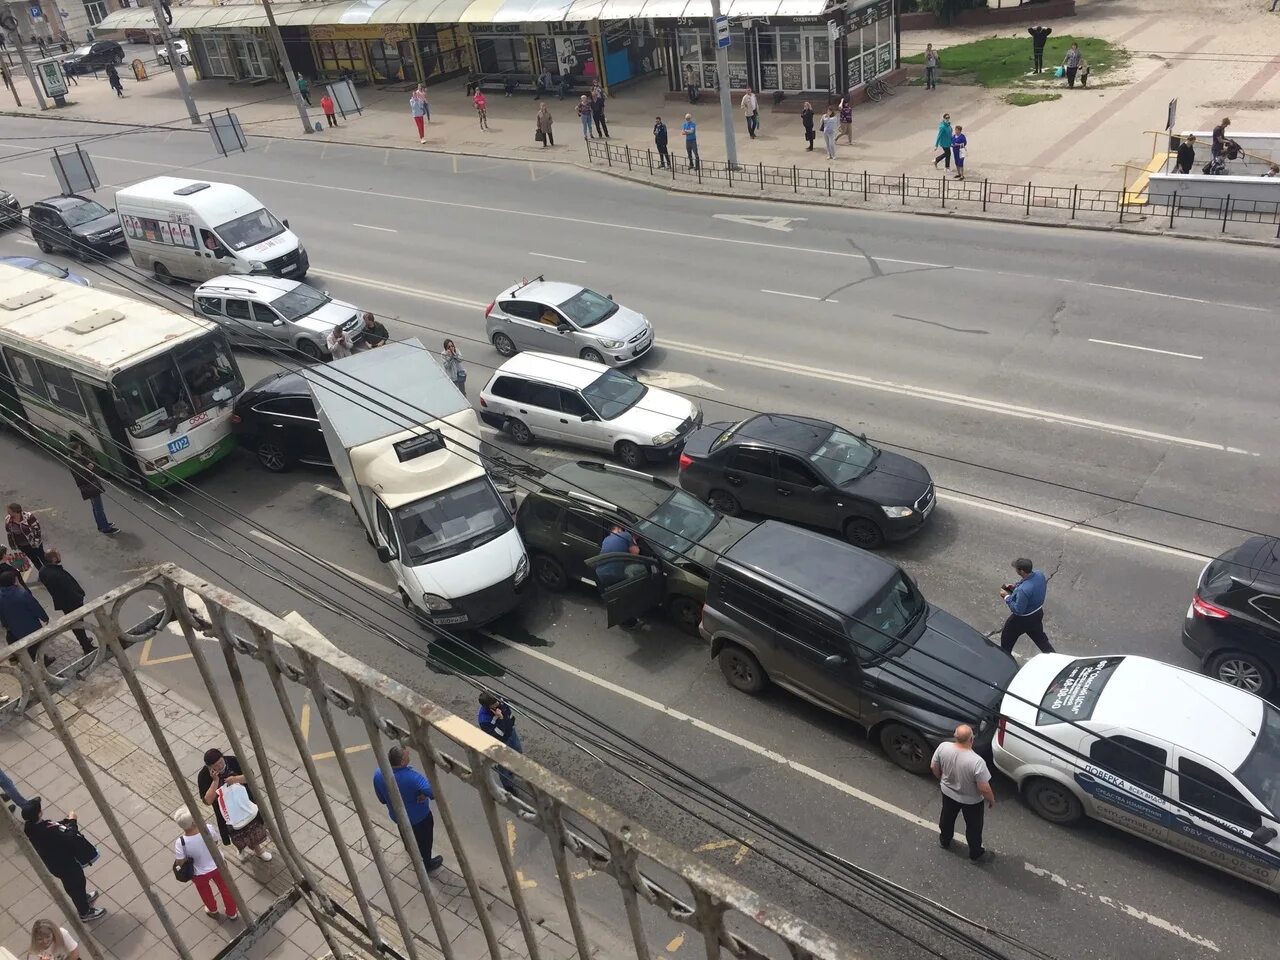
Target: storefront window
[
  {"x": 504, "y": 55},
  {"x": 341, "y": 56},
  {"x": 217, "y": 58},
  {"x": 392, "y": 61},
  {"x": 871, "y": 49},
  {"x": 697, "y": 55},
  {"x": 95, "y": 10}
]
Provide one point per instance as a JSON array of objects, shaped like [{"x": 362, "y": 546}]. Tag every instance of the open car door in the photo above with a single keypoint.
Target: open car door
[{"x": 641, "y": 588}]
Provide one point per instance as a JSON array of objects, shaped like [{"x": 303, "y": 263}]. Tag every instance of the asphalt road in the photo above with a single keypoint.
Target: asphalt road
[{"x": 1103, "y": 404}]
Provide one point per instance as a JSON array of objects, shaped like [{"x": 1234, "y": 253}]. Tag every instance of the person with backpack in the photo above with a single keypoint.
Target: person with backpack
[{"x": 193, "y": 845}]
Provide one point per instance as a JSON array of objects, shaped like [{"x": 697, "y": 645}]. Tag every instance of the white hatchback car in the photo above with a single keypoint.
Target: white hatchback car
[
  {"x": 180, "y": 48},
  {"x": 1173, "y": 756},
  {"x": 584, "y": 404},
  {"x": 272, "y": 311}
]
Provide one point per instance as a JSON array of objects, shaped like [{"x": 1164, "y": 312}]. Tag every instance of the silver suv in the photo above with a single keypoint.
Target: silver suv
[
  {"x": 566, "y": 319},
  {"x": 274, "y": 312}
]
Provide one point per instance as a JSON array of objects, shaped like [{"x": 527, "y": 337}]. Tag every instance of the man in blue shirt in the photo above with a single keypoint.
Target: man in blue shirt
[
  {"x": 498, "y": 720},
  {"x": 415, "y": 791},
  {"x": 691, "y": 141},
  {"x": 1025, "y": 601},
  {"x": 615, "y": 571},
  {"x": 20, "y": 613}
]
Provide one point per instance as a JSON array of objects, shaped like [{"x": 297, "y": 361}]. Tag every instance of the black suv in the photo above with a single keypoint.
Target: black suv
[
  {"x": 680, "y": 537},
  {"x": 75, "y": 224},
  {"x": 93, "y": 56},
  {"x": 1233, "y": 623},
  {"x": 808, "y": 471},
  {"x": 851, "y": 632}
]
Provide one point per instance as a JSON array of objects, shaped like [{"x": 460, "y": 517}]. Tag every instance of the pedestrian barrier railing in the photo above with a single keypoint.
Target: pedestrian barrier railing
[
  {"x": 940, "y": 192},
  {"x": 231, "y": 642}
]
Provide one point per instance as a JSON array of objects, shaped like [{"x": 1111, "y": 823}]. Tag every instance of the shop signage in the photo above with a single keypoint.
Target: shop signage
[
  {"x": 866, "y": 16},
  {"x": 769, "y": 76},
  {"x": 390, "y": 32}
]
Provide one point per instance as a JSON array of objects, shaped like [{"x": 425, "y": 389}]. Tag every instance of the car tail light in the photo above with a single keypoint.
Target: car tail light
[
  {"x": 685, "y": 461},
  {"x": 489, "y": 309},
  {"x": 1000, "y": 731},
  {"x": 235, "y": 418},
  {"x": 1203, "y": 608},
  {"x": 482, "y": 403}
]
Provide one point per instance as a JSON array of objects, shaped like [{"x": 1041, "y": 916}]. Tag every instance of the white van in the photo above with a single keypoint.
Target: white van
[{"x": 196, "y": 230}]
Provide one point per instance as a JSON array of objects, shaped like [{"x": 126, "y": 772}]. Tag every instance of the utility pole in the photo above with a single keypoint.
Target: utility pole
[
  {"x": 283, "y": 56},
  {"x": 175, "y": 64},
  {"x": 720, "y": 29},
  {"x": 31, "y": 75}
]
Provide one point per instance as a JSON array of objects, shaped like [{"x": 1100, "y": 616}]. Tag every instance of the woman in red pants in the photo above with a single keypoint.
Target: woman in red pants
[{"x": 194, "y": 843}]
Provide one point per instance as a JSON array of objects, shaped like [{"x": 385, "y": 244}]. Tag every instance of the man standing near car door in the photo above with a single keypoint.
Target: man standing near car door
[
  {"x": 615, "y": 571},
  {"x": 1025, "y": 601},
  {"x": 965, "y": 782}
]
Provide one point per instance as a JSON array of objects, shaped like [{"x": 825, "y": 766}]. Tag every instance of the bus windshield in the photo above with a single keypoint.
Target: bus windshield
[
  {"x": 249, "y": 230},
  {"x": 187, "y": 381}
]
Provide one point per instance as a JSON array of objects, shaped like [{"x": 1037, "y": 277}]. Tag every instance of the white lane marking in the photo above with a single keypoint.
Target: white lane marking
[
  {"x": 1134, "y": 346},
  {"x": 549, "y": 256},
  {"x": 1073, "y": 528},
  {"x": 369, "y": 226},
  {"x": 1124, "y": 908},
  {"x": 781, "y": 224},
  {"x": 38, "y": 176},
  {"x": 330, "y": 492},
  {"x": 955, "y": 399},
  {"x": 799, "y": 296},
  {"x": 670, "y": 380},
  {"x": 409, "y": 291},
  {"x": 25, "y": 242},
  {"x": 373, "y": 584},
  {"x": 813, "y": 251},
  {"x": 827, "y": 780}
]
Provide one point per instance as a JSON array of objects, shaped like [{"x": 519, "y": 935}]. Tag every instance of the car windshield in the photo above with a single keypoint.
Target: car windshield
[
  {"x": 82, "y": 51},
  {"x": 678, "y": 524},
  {"x": 613, "y": 394},
  {"x": 300, "y": 301},
  {"x": 587, "y": 308},
  {"x": 1260, "y": 771},
  {"x": 180, "y": 384},
  {"x": 888, "y": 618},
  {"x": 48, "y": 269},
  {"x": 843, "y": 457},
  {"x": 83, "y": 213},
  {"x": 452, "y": 522},
  {"x": 250, "y": 230}
]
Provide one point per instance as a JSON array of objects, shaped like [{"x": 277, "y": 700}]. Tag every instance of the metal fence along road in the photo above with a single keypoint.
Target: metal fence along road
[
  {"x": 240, "y": 643},
  {"x": 942, "y": 192}
]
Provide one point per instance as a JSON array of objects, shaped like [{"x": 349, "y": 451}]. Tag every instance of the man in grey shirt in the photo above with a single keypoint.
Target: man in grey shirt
[{"x": 966, "y": 786}]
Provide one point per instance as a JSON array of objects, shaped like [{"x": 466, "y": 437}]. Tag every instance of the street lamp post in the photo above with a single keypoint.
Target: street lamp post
[
  {"x": 283, "y": 56},
  {"x": 175, "y": 62},
  {"x": 26, "y": 68},
  {"x": 720, "y": 29}
]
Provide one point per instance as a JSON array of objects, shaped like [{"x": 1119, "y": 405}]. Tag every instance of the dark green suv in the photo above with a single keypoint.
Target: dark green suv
[{"x": 564, "y": 523}]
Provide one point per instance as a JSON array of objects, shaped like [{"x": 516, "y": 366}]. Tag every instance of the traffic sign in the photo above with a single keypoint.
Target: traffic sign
[{"x": 721, "y": 25}]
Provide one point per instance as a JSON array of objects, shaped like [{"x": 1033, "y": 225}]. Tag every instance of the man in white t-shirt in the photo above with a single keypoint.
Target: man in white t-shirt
[{"x": 966, "y": 786}]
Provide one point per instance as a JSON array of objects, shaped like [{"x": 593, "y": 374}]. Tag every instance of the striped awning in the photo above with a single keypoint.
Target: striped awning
[{"x": 234, "y": 15}]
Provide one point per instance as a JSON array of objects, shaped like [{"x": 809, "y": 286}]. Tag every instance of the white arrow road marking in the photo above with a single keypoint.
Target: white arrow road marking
[
  {"x": 666, "y": 380},
  {"x": 781, "y": 224}
]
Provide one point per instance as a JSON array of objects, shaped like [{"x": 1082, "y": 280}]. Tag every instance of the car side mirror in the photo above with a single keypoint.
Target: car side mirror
[
  {"x": 563, "y": 327},
  {"x": 588, "y": 417},
  {"x": 277, "y": 322},
  {"x": 835, "y": 660},
  {"x": 1263, "y": 835},
  {"x": 384, "y": 554},
  {"x": 609, "y": 295},
  {"x": 112, "y": 210},
  {"x": 219, "y": 253},
  {"x": 286, "y": 223}
]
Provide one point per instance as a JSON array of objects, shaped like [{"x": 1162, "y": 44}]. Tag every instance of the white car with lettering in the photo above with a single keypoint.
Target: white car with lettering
[{"x": 1170, "y": 755}]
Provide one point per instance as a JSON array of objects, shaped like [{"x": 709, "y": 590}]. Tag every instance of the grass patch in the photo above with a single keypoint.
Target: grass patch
[
  {"x": 1006, "y": 61},
  {"x": 1018, "y": 99}
]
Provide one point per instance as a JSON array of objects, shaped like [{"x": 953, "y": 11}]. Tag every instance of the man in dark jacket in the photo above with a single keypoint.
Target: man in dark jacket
[
  {"x": 65, "y": 592},
  {"x": 1186, "y": 155},
  {"x": 660, "y": 141},
  {"x": 20, "y": 613},
  {"x": 85, "y": 470},
  {"x": 1039, "y": 35},
  {"x": 59, "y": 845}
]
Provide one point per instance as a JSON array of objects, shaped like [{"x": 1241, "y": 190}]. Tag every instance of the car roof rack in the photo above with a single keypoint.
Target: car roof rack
[{"x": 525, "y": 281}]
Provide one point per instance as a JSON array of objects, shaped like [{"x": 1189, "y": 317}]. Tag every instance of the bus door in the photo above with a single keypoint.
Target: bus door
[{"x": 111, "y": 437}]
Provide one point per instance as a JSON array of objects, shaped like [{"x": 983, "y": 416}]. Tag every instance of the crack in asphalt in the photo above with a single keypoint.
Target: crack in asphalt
[
  {"x": 945, "y": 326},
  {"x": 877, "y": 272}
]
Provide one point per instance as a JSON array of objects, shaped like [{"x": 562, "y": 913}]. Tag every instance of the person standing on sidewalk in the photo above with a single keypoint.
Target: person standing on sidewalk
[
  {"x": 224, "y": 770},
  {"x": 584, "y": 116},
  {"x": 660, "y": 141},
  {"x": 113, "y": 78},
  {"x": 20, "y": 612},
  {"x": 12, "y": 794},
  {"x": 330, "y": 111},
  {"x": 1025, "y": 601},
  {"x": 845, "y": 117},
  {"x": 482, "y": 108},
  {"x": 806, "y": 120},
  {"x": 943, "y": 141},
  {"x": 420, "y": 111},
  {"x": 451, "y": 360},
  {"x": 85, "y": 470},
  {"x": 1186, "y": 155},
  {"x": 1038, "y": 37},
  {"x": 415, "y": 791},
  {"x": 70, "y": 74},
  {"x": 65, "y": 593},
  {"x": 829, "y": 127},
  {"x": 965, "y": 783},
  {"x": 751, "y": 110},
  {"x": 544, "y": 122},
  {"x": 304, "y": 87},
  {"x": 690, "y": 130},
  {"x": 22, "y": 529},
  {"x": 597, "y": 111},
  {"x": 1219, "y": 144},
  {"x": 59, "y": 846},
  {"x": 194, "y": 843},
  {"x": 1071, "y": 62},
  {"x": 930, "y": 67},
  {"x": 959, "y": 146}
]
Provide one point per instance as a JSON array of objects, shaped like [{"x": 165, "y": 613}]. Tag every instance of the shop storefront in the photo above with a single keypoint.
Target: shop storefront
[
  {"x": 871, "y": 44},
  {"x": 502, "y": 48},
  {"x": 232, "y": 55}
]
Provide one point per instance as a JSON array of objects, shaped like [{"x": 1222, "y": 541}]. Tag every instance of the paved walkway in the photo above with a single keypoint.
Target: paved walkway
[{"x": 1212, "y": 64}]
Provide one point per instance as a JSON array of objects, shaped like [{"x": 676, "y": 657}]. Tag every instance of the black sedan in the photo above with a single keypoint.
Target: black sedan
[
  {"x": 93, "y": 56},
  {"x": 10, "y": 209},
  {"x": 276, "y": 419},
  {"x": 75, "y": 224},
  {"x": 810, "y": 472}
]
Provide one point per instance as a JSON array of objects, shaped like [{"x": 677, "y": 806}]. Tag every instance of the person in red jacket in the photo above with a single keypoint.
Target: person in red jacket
[{"x": 330, "y": 112}]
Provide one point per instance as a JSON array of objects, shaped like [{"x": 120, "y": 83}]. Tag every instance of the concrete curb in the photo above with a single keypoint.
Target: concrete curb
[{"x": 705, "y": 190}]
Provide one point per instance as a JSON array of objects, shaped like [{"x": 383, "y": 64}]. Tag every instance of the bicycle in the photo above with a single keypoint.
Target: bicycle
[{"x": 877, "y": 88}]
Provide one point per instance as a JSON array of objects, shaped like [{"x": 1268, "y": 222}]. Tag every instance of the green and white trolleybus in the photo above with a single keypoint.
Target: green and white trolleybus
[{"x": 149, "y": 390}]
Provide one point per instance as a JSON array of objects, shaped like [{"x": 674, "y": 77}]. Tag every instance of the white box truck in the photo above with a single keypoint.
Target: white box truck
[
  {"x": 196, "y": 230},
  {"x": 406, "y": 445}
]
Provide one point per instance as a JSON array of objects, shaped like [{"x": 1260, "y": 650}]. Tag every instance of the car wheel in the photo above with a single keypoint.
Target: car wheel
[
  {"x": 309, "y": 350},
  {"x": 1242, "y": 670},
  {"x": 685, "y": 612},
  {"x": 724, "y": 502},
  {"x": 906, "y": 747},
  {"x": 161, "y": 272},
  {"x": 272, "y": 456},
  {"x": 550, "y": 573},
  {"x": 592, "y": 355},
  {"x": 504, "y": 345},
  {"x": 520, "y": 432},
  {"x": 630, "y": 454},
  {"x": 742, "y": 670},
  {"x": 1052, "y": 801},
  {"x": 44, "y": 245},
  {"x": 863, "y": 533},
  {"x": 185, "y": 60}
]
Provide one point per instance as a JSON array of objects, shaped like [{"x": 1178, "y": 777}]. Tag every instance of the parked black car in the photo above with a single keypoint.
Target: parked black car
[
  {"x": 276, "y": 419},
  {"x": 851, "y": 632},
  {"x": 1233, "y": 623},
  {"x": 75, "y": 224},
  {"x": 810, "y": 472},
  {"x": 10, "y": 209},
  {"x": 563, "y": 525},
  {"x": 93, "y": 56}
]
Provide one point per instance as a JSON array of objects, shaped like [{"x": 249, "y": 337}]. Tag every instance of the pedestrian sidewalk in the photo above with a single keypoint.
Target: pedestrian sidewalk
[{"x": 110, "y": 732}]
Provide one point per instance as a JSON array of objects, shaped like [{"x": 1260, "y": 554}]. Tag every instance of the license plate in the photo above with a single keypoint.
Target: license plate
[
  {"x": 461, "y": 619},
  {"x": 209, "y": 454},
  {"x": 290, "y": 268},
  {"x": 180, "y": 444}
]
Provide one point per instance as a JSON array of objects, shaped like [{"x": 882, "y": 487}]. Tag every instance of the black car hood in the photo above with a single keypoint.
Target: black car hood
[
  {"x": 893, "y": 480},
  {"x": 951, "y": 669},
  {"x": 97, "y": 225}
]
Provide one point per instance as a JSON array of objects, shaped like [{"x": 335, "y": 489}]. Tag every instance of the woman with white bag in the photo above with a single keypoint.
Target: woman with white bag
[{"x": 222, "y": 785}]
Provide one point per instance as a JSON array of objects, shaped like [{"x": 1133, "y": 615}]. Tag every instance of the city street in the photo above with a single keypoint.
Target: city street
[{"x": 1102, "y": 404}]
